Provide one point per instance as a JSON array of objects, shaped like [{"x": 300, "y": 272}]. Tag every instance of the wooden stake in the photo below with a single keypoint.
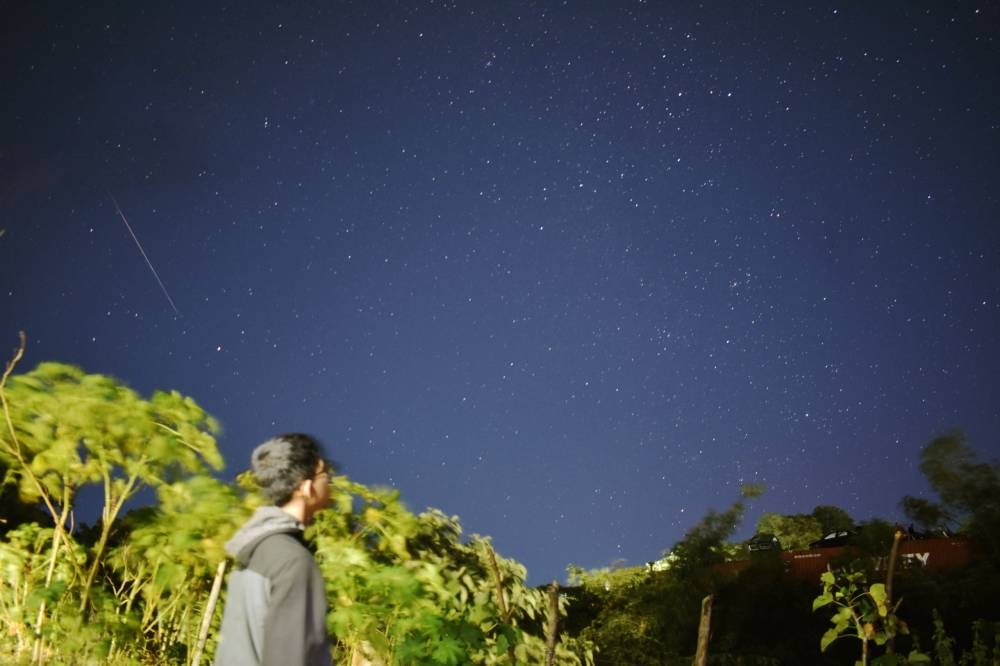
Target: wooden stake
[
  {"x": 552, "y": 628},
  {"x": 704, "y": 629}
]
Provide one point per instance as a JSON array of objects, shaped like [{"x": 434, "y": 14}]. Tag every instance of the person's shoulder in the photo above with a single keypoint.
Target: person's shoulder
[
  {"x": 283, "y": 542},
  {"x": 279, "y": 551}
]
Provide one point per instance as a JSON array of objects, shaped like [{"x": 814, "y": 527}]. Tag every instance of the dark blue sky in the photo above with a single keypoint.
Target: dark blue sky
[{"x": 573, "y": 271}]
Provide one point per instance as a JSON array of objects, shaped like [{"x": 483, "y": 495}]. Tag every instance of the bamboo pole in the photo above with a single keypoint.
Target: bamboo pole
[{"x": 206, "y": 621}]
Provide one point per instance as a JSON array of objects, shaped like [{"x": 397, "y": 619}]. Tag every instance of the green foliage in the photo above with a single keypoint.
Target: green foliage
[
  {"x": 76, "y": 600},
  {"x": 795, "y": 532},
  {"x": 166, "y": 556},
  {"x": 14, "y": 511},
  {"x": 871, "y": 537},
  {"x": 407, "y": 589},
  {"x": 943, "y": 643},
  {"x": 925, "y": 515},
  {"x": 832, "y": 519},
  {"x": 704, "y": 544},
  {"x": 639, "y": 616},
  {"x": 762, "y": 613},
  {"x": 967, "y": 488},
  {"x": 24, "y": 561},
  {"x": 864, "y": 612},
  {"x": 984, "y": 651},
  {"x": 404, "y": 588}
]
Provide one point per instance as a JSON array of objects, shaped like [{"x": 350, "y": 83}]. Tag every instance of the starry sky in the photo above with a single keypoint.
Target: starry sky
[{"x": 573, "y": 271}]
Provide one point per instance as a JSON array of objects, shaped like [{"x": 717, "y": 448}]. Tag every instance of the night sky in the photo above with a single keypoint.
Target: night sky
[{"x": 573, "y": 271}]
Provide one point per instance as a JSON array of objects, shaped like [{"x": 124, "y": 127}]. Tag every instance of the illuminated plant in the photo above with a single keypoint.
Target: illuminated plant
[{"x": 865, "y": 612}]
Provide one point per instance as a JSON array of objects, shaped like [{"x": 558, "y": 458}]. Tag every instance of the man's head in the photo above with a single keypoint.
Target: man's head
[{"x": 287, "y": 466}]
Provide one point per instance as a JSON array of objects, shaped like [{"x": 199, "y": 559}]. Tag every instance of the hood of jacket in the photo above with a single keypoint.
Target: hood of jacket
[{"x": 265, "y": 521}]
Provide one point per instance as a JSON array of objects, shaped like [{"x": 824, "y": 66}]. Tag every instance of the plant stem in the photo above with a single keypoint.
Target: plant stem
[
  {"x": 504, "y": 612},
  {"x": 890, "y": 647}
]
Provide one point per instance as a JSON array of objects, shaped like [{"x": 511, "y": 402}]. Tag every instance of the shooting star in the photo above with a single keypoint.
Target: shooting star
[{"x": 128, "y": 226}]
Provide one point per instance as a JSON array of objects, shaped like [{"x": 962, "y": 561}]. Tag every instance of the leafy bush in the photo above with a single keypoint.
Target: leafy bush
[{"x": 403, "y": 588}]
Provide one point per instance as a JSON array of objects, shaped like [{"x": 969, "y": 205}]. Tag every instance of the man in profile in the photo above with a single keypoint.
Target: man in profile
[{"x": 276, "y": 605}]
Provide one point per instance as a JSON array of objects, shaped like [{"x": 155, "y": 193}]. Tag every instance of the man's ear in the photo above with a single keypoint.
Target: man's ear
[
  {"x": 307, "y": 488},
  {"x": 304, "y": 489}
]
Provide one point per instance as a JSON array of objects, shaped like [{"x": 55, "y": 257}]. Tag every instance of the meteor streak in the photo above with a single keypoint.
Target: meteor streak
[{"x": 128, "y": 226}]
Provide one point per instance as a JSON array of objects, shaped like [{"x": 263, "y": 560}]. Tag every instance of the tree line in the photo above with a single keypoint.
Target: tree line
[{"x": 762, "y": 616}]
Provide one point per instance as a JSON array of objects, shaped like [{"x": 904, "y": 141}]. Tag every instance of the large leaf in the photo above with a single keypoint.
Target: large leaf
[
  {"x": 828, "y": 637},
  {"x": 448, "y": 651},
  {"x": 822, "y": 600},
  {"x": 878, "y": 594}
]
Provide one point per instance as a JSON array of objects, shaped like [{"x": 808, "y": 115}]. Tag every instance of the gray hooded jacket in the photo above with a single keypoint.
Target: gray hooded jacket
[{"x": 276, "y": 605}]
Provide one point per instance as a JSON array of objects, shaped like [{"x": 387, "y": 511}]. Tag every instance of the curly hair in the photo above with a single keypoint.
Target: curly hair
[{"x": 282, "y": 463}]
